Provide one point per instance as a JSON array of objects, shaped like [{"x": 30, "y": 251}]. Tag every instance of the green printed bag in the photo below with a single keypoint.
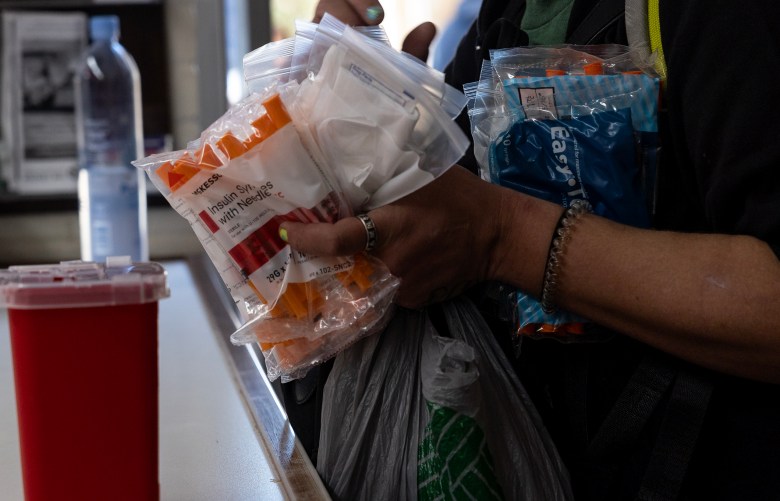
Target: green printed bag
[{"x": 453, "y": 459}]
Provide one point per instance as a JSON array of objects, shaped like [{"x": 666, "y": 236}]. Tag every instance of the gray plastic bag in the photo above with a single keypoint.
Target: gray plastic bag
[{"x": 409, "y": 414}]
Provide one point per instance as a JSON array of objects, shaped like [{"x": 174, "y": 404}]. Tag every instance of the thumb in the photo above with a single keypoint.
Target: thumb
[
  {"x": 418, "y": 41},
  {"x": 345, "y": 237}
]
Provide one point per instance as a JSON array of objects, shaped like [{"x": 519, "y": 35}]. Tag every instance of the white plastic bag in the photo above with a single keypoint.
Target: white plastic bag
[{"x": 400, "y": 407}]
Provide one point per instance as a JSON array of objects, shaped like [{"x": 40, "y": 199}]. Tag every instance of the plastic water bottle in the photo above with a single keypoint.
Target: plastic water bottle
[{"x": 111, "y": 192}]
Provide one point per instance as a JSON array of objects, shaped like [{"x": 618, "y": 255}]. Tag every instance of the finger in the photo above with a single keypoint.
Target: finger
[
  {"x": 418, "y": 41},
  {"x": 340, "y": 9},
  {"x": 343, "y": 238},
  {"x": 352, "y": 12},
  {"x": 370, "y": 10}
]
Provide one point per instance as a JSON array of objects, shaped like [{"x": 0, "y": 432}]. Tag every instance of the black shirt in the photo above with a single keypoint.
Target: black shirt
[
  {"x": 719, "y": 172},
  {"x": 723, "y": 138}
]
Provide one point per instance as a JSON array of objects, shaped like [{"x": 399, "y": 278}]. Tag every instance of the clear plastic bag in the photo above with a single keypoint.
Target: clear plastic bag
[
  {"x": 396, "y": 404},
  {"x": 248, "y": 173},
  {"x": 383, "y": 132},
  {"x": 331, "y": 31},
  {"x": 568, "y": 59},
  {"x": 310, "y": 152},
  {"x": 287, "y": 60},
  {"x": 382, "y": 120},
  {"x": 269, "y": 65},
  {"x": 488, "y": 115},
  {"x": 563, "y": 123}
]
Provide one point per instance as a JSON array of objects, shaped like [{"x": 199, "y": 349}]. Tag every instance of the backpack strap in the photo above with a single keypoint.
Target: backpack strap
[
  {"x": 621, "y": 429},
  {"x": 677, "y": 437},
  {"x": 638, "y": 401},
  {"x": 682, "y": 396}
]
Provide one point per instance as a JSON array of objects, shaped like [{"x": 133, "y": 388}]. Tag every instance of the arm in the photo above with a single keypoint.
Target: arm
[{"x": 711, "y": 299}]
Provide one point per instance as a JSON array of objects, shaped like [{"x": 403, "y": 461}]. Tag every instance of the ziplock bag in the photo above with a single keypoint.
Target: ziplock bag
[
  {"x": 409, "y": 414},
  {"x": 622, "y": 79},
  {"x": 584, "y": 128},
  {"x": 247, "y": 174},
  {"x": 488, "y": 115},
  {"x": 569, "y": 59},
  {"x": 594, "y": 79},
  {"x": 287, "y": 60},
  {"x": 305, "y": 33},
  {"x": 381, "y": 130},
  {"x": 269, "y": 65},
  {"x": 330, "y": 30}
]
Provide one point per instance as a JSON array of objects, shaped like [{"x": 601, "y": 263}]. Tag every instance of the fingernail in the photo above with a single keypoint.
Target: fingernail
[
  {"x": 283, "y": 234},
  {"x": 374, "y": 12}
]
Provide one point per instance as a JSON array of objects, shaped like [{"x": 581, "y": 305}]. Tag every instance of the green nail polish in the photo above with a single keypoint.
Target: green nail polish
[
  {"x": 283, "y": 234},
  {"x": 374, "y": 12}
]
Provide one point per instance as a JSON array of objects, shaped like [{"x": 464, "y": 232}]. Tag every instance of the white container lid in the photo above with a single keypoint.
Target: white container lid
[{"x": 79, "y": 284}]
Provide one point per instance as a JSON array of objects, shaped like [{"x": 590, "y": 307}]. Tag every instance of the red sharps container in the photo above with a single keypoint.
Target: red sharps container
[{"x": 84, "y": 343}]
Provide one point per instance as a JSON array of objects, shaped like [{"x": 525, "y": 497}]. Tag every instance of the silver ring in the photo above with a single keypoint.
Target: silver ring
[{"x": 371, "y": 236}]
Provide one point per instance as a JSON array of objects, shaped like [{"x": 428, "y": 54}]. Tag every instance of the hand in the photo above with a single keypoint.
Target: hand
[
  {"x": 438, "y": 240},
  {"x": 351, "y": 12},
  {"x": 418, "y": 41},
  {"x": 371, "y": 13}
]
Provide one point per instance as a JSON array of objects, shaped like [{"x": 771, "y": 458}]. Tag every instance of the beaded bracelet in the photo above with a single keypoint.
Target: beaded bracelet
[{"x": 560, "y": 237}]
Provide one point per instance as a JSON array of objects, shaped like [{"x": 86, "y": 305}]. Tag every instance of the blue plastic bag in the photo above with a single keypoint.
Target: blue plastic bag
[{"x": 574, "y": 137}]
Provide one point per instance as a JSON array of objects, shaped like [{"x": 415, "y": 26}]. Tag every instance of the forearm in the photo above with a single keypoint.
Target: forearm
[{"x": 711, "y": 299}]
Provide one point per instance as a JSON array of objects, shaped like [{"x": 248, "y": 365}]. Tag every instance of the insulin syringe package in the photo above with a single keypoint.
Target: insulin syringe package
[
  {"x": 286, "y": 152},
  {"x": 249, "y": 173},
  {"x": 568, "y": 123}
]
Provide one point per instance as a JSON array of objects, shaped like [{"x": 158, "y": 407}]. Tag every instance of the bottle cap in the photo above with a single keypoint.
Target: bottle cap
[
  {"x": 80, "y": 284},
  {"x": 104, "y": 27}
]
